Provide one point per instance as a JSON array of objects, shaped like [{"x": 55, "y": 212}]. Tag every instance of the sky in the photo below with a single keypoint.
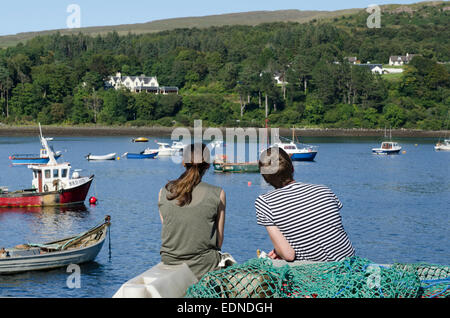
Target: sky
[{"x": 37, "y": 15}]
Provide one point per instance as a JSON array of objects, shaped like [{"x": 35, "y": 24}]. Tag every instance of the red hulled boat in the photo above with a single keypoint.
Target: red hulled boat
[{"x": 52, "y": 185}]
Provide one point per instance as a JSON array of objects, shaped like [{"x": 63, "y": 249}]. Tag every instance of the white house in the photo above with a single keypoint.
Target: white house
[
  {"x": 279, "y": 78},
  {"x": 401, "y": 59},
  {"x": 139, "y": 84},
  {"x": 374, "y": 68}
]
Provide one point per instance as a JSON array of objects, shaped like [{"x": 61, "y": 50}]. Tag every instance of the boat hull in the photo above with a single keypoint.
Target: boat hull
[
  {"x": 74, "y": 195},
  {"x": 141, "y": 156},
  {"x": 386, "y": 152},
  {"x": 304, "y": 156},
  {"x": 38, "y": 261},
  {"x": 236, "y": 167},
  {"x": 442, "y": 148},
  {"x": 111, "y": 156},
  {"x": 17, "y": 160}
]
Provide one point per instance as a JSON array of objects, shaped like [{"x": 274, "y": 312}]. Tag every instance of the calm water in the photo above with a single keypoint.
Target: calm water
[{"x": 396, "y": 208}]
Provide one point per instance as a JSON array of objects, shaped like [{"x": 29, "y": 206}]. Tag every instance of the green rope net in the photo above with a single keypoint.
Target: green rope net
[{"x": 352, "y": 277}]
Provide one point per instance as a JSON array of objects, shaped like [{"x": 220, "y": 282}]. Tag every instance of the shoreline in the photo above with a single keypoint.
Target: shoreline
[{"x": 11, "y": 131}]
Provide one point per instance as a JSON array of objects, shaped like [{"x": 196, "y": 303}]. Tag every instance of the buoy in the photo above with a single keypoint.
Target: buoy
[
  {"x": 93, "y": 200},
  {"x": 118, "y": 158},
  {"x": 249, "y": 183},
  {"x": 403, "y": 152}
]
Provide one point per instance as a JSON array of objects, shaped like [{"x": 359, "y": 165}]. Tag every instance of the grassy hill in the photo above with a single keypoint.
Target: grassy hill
[{"x": 245, "y": 18}]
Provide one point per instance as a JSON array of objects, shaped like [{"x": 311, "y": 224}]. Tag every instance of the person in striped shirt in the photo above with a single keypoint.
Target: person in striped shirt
[{"x": 302, "y": 220}]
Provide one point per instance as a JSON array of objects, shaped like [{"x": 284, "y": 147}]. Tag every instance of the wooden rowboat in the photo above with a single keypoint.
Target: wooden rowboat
[{"x": 72, "y": 250}]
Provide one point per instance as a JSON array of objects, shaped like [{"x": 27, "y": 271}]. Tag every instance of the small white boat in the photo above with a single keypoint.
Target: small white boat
[
  {"x": 111, "y": 156},
  {"x": 387, "y": 148},
  {"x": 73, "y": 250},
  {"x": 443, "y": 146},
  {"x": 304, "y": 153},
  {"x": 178, "y": 145},
  {"x": 163, "y": 150}
]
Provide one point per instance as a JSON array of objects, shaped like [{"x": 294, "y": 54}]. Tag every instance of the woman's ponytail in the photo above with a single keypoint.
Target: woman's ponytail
[{"x": 181, "y": 188}]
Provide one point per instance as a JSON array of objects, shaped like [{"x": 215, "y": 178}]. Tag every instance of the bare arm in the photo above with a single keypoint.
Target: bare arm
[
  {"x": 282, "y": 248},
  {"x": 159, "y": 198},
  {"x": 221, "y": 219}
]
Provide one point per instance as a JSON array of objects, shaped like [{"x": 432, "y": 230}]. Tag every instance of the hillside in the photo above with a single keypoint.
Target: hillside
[
  {"x": 230, "y": 75},
  {"x": 244, "y": 18}
]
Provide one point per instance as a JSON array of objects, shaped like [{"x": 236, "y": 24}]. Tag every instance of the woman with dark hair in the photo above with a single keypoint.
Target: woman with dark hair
[
  {"x": 302, "y": 220},
  {"x": 193, "y": 216}
]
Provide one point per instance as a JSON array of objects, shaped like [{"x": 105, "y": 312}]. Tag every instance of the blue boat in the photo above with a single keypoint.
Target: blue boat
[
  {"x": 302, "y": 153},
  {"x": 32, "y": 159},
  {"x": 305, "y": 153},
  {"x": 142, "y": 155}
]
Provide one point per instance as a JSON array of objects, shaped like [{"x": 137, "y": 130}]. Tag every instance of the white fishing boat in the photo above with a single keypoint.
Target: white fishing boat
[
  {"x": 111, "y": 156},
  {"x": 77, "y": 249},
  {"x": 51, "y": 185},
  {"x": 163, "y": 150},
  {"x": 443, "y": 146},
  {"x": 387, "y": 148}
]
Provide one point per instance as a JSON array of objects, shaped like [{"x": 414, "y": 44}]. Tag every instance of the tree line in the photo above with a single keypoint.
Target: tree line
[{"x": 226, "y": 75}]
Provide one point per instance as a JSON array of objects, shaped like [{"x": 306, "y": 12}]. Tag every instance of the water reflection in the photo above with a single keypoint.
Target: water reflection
[{"x": 47, "y": 210}]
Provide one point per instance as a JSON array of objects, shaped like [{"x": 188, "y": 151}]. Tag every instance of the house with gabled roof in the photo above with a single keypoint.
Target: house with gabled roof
[
  {"x": 401, "y": 59},
  {"x": 139, "y": 84}
]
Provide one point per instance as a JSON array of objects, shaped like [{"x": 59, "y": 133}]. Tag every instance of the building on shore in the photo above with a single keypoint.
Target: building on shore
[
  {"x": 401, "y": 59},
  {"x": 137, "y": 84},
  {"x": 374, "y": 68}
]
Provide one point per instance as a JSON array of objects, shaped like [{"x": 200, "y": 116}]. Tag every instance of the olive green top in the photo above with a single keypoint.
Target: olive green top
[{"x": 189, "y": 233}]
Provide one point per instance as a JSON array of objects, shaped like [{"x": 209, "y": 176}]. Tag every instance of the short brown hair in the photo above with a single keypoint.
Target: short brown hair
[{"x": 276, "y": 167}]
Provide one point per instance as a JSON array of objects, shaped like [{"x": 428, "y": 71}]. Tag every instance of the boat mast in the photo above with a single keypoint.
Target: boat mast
[{"x": 52, "y": 160}]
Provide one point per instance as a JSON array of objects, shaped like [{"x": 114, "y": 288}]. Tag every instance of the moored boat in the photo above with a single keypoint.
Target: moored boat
[
  {"x": 33, "y": 159},
  {"x": 387, "y": 148},
  {"x": 77, "y": 249},
  {"x": 141, "y": 155},
  {"x": 443, "y": 146},
  {"x": 306, "y": 153},
  {"x": 111, "y": 156},
  {"x": 140, "y": 139},
  {"x": 221, "y": 165},
  {"x": 236, "y": 167},
  {"x": 164, "y": 149},
  {"x": 178, "y": 145},
  {"x": 302, "y": 153},
  {"x": 52, "y": 185}
]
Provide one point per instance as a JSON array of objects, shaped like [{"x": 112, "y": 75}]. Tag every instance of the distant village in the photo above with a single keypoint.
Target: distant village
[{"x": 150, "y": 84}]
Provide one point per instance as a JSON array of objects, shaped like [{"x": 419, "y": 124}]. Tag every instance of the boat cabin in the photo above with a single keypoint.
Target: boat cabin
[
  {"x": 389, "y": 145},
  {"x": 163, "y": 145},
  {"x": 52, "y": 177}
]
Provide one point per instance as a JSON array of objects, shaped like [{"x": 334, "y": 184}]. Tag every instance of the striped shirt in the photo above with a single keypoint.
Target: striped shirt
[{"x": 308, "y": 217}]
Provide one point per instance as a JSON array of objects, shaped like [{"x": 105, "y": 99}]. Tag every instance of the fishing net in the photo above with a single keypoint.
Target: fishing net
[{"x": 352, "y": 277}]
